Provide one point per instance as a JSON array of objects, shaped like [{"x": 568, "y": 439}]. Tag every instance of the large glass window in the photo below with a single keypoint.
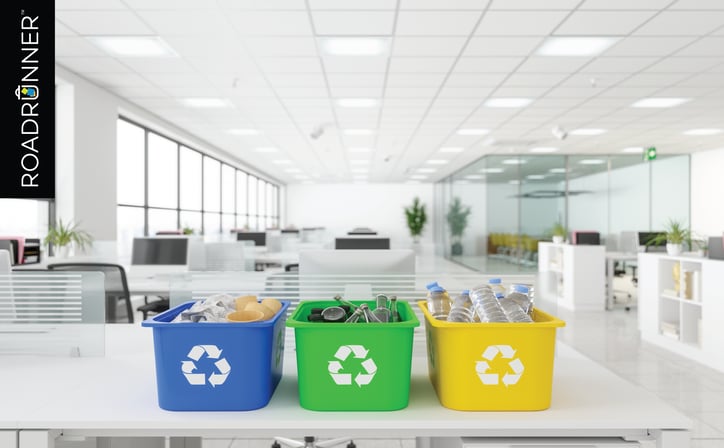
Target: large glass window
[{"x": 163, "y": 185}]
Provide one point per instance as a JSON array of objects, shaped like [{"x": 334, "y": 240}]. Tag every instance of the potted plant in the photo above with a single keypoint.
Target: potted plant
[
  {"x": 187, "y": 230},
  {"x": 416, "y": 219},
  {"x": 559, "y": 233},
  {"x": 457, "y": 219},
  {"x": 675, "y": 234},
  {"x": 64, "y": 236}
]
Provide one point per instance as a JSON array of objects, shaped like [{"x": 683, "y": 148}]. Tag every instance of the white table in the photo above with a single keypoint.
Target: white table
[
  {"x": 611, "y": 259},
  {"x": 116, "y": 396}
]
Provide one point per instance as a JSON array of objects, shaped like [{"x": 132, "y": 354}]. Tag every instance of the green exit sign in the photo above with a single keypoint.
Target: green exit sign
[{"x": 650, "y": 153}]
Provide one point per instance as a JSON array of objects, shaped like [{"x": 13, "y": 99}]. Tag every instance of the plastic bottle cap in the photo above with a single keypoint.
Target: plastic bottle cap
[
  {"x": 466, "y": 292},
  {"x": 431, "y": 285},
  {"x": 437, "y": 289},
  {"x": 499, "y": 295},
  {"x": 495, "y": 281},
  {"x": 521, "y": 288}
]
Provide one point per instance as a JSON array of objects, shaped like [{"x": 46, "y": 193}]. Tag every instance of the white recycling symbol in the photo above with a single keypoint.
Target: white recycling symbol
[
  {"x": 199, "y": 379},
  {"x": 492, "y": 379},
  {"x": 362, "y": 378}
]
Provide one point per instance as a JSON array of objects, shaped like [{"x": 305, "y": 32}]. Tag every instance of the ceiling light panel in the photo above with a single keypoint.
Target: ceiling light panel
[
  {"x": 659, "y": 102},
  {"x": 588, "y": 131},
  {"x": 202, "y": 102},
  {"x": 575, "y": 46},
  {"x": 354, "y": 46},
  {"x": 472, "y": 131},
  {"x": 452, "y": 149},
  {"x": 134, "y": 46},
  {"x": 508, "y": 102},
  {"x": 703, "y": 131}
]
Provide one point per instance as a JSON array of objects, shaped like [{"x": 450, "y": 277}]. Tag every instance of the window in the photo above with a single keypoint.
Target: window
[{"x": 163, "y": 185}]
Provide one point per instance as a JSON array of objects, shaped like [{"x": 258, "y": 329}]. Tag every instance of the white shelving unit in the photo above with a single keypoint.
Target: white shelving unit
[
  {"x": 683, "y": 316},
  {"x": 579, "y": 272}
]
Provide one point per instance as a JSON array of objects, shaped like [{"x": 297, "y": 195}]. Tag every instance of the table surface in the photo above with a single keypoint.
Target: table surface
[{"x": 116, "y": 395}]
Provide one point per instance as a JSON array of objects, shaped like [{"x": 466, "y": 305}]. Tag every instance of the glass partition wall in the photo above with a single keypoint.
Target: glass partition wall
[{"x": 507, "y": 203}]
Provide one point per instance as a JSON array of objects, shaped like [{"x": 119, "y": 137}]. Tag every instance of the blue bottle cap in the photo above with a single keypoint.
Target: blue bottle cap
[
  {"x": 437, "y": 289},
  {"x": 466, "y": 292},
  {"x": 520, "y": 288},
  {"x": 431, "y": 285},
  {"x": 499, "y": 295},
  {"x": 495, "y": 281}
]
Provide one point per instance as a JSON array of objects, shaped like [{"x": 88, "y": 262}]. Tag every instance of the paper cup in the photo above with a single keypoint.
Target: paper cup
[
  {"x": 266, "y": 311},
  {"x": 242, "y": 301},
  {"x": 272, "y": 304},
  {"x": 245, "y": 316}
]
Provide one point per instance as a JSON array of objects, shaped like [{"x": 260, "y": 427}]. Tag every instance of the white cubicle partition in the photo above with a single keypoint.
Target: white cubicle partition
[{"x": 579, "y": 273}]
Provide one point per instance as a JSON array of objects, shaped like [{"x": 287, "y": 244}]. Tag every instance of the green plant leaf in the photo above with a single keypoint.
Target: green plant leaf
[
  {"x": 457, "y": 217},
  {"x": 416, "y": 217},
  {"x": 62, "y": 234}
]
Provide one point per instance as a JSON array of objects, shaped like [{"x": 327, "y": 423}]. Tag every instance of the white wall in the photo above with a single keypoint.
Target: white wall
[
  {"x": 707, "y": 191},
  {"x": 341, "y": 207}
]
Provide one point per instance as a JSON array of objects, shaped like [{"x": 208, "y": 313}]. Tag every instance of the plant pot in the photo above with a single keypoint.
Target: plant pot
[
  {"x": 557, "y": 239},
  {"x": 673, "y": 249},
  {"x": 456, "y": 249},
  {"x": 62, "y": 251}
]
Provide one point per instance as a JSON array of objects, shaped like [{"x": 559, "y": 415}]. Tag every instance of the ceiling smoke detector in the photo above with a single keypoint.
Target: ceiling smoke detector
[{"x": 559, "y": 133}]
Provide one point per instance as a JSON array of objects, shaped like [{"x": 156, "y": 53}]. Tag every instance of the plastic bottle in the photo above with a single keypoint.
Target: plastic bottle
[
  {"x": 438, "y": 302},
  {"x": 355, "y": 317},
  {"x": 497, "y": 286},
  {"x": 486, "y": 306},
  {"x": 395, "y": 314},
  {"x": 512, "y": 310},
  {"x": 462, "y": 308},
  {"x": 524, "y": 300}
]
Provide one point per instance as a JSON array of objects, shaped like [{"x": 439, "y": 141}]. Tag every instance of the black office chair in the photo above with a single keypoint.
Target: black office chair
[
  {"x": 116, "y": 284},
  {"x": 154, "y": 307}
]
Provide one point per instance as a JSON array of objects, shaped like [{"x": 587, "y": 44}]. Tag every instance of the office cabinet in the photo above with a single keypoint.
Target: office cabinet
[{"x": 579, "y": 274}]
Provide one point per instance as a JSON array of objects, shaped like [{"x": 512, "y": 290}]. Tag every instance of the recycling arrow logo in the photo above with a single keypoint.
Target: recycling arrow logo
[
  {"x": 493, "y": 379},
  {"x": 345, "y": 379},
  {"x": 199, "y": 379}
]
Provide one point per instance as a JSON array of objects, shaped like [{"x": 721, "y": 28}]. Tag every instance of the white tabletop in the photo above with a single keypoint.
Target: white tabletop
[{"x": 116, "y": 395}]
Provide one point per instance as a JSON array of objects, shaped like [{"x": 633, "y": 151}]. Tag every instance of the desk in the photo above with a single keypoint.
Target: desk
[
  {"x": 116, "y": 396},
  {"x": 611, "y": 258},
  {"x": 282, "y": 258}
]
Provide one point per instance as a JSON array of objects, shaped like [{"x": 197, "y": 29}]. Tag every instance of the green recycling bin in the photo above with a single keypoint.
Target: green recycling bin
[{"x": 355, "y": 366}]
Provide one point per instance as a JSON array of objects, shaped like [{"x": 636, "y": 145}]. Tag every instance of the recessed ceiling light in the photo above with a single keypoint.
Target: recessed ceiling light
[
  {"x": 558, "y": 170},
  {"x": 359, "y": 162},
  {"x": 354, "y": 46},
  {"x": 474, "y": 176},
  {"x": 535, "y": 177},
  {"x": 205, "y": 102},
  {"x": 357, "y": 102},
  {"x": 282, "y": 161},
  {"x": 243, "y": 131},
  {"x": 514, "y": 162},
  {"x": 575, "y": 46},
  {"x": 492, "y": 170},
  {"x": 660, "y": 102},
  {"x": 514, "y": 182},
  {"x": 437, "y": 162},
  {"x": 266, "y": 149},
  {"x": 710, "y": 131},
  {"x": 134, "y": 46},
  {"x": 592, "y": 162},
  {"x": 508, "y": 102},
  {"x": 426, "y": 170},
  {"x": 633, "y": 150},
  {"x": 544, "y": 149},
  {"x": 588, "y": 131},
  {"x": 418, "y": 177},
  {"x": 473, "y": 131},
  {"x": 452, "y": 149},
  {"x": 359, "y": 149},
  {"x": 359, "y": 170},
  {"x": 293, "y": 170},
  {"x": 357, "y": 132}
]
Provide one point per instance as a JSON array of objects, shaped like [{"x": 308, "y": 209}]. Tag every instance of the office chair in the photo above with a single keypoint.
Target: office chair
[
  {"x": 116, "y": 283},
  {"x": 155, "y": 307}
]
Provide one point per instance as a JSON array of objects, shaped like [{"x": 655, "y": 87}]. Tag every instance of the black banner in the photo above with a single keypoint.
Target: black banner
[{"x": 27, "y": 163}]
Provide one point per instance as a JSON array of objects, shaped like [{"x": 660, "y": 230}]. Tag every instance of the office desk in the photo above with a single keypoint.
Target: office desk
[
  {"x": 116, "y": 396},
  {"x": 611, "y": 259}
]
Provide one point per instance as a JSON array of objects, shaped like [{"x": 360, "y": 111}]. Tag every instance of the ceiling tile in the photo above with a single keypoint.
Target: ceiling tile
[
  {"x": 421, "y": 79},
  {"x": 647, "y": 46},
  {"x": 625, "y": 4},
  {"x": 534, "y": 4},
  {"x": 356, "y": 80},
  {"x": 75, "y": 46},
  {"x": 263, "y": 4},
  {"x": 427, "y": 46},
  {"x": 618, "y": 65},
  {"x": 157, "y": 65},
  {"x": 359, "y": 23},
  {"x": 356, "y": 92},
  {"x": 447, "y": 4},
  {"x": 420, "y": 65},
  {"x": 535, "y": 80},
  {"x": 475, "y": 80},
  {"x": 118, "y": 79},
  {"x": 103, "y": 23},
  {"x": 61, "y": 5},
  {"x": 684, "y": 65},
  {"x": 487, "y": 65},
  {"x": 603, "y": 23},
  {"x": 176, "y": 79},
  {"x": 350, "y": 64},
  {"x": 92, "y": 65},
  {"x": 543, "y": 64},
  {"x": 352, "y": 4},
  {"x": 291, "y": 79},
  {"x": 501, "y": 46},
  {"x": 188, "y": 22},
  {"x": 520, "y": 92},
  {"x": 683, "y": 23},
  {"x": 519, "y": 23},
  {"x": 432, "y": 23},
  {"x": 597, "y": 80},
  {"x": 653, "y": 79},
  {"x": 138, "y": 92},
  {"x": 708, "y": 46},
  {"x": 162, "y": 4},
  {"x": 703, "y": 80},
  {"x": 62, "y": 30},
  {"x": 228, "y": 67},
  {"x": 478, "y": 93},
  {"x": 698, "y": 4},
  {"x": 410, "y": 92},
  {"x": 270, "y": 23},
  {"x": 291, "y": 65}
]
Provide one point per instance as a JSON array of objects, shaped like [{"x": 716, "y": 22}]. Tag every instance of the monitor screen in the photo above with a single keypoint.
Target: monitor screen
[
  {"x": 259, "y": 238},
  {"x": 586, "y": 238},
  {"x": 361, "y": 231},
  {"x": 292, "y": 231},
  {"x": 645, "y": 241},
  {"x": 716, "y": 248},
  {"x": 361, "y": 243},
  {"x": 160, "y": 251}
]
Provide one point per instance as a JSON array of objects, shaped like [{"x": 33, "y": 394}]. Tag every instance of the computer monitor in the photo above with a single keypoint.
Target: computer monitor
[
  {"x": 645, "y": 239},
  {"x": 586, "y": 237},
  {"x": 259, "y": 238},
  {"x": 290, "y": 231},
  {"x": 160, "y": 255},
  {"x": 361, "y": 243},
  {"x": 716, "y": 248}
]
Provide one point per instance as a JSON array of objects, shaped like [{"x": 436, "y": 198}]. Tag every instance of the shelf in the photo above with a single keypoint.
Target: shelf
[{"x": 679, "y": 299}]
